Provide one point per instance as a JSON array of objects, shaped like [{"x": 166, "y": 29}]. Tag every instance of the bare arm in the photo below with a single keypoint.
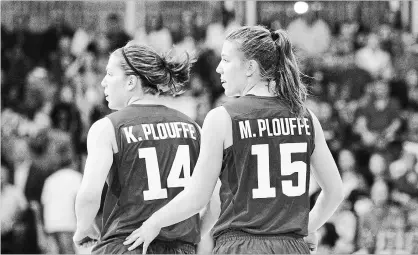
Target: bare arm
[
  {"x": 200, "y": 188},
  {"x": 326, "y": 174},
  {"x": 209, "y": 219},
  {"x": 213, "y": 211},
  {"x": 98, "y": 164}
]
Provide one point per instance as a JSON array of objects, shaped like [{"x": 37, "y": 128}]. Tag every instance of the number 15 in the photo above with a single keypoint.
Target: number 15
[{"x": 287, "y": 168}]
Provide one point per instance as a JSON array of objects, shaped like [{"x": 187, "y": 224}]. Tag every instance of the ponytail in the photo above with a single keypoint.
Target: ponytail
[
  {"x": 159, "y": 74},
  {"x": 287, "y": 76},
  {"x": 278, "y": 65},
  {"x": 177, "y": 74}
]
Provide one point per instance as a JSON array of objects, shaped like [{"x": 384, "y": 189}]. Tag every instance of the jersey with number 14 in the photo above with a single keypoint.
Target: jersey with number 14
[
  {"x": 158, "y": 149},
  {"x": 265, "y": 172}
]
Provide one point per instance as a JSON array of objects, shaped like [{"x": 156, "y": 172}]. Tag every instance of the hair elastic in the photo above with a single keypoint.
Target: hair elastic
[
  {"x": 145, "y": 79},
  {"x": 129, "y": 63},
  {"x": 274, "y": 35}
]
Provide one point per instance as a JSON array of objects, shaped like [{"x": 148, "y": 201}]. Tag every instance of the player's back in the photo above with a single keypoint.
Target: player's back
[
  {"x": 265, "y": 172},
  {"x": 157, "y": 150}
]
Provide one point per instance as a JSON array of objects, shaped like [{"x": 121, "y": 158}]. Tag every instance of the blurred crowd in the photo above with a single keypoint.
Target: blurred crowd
[{"x": 364, "y": 90}]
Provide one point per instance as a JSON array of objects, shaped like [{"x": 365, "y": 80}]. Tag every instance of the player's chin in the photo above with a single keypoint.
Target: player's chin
[
  {"x": 112, "y": 106},
  {"x": 228, "y": 92}
]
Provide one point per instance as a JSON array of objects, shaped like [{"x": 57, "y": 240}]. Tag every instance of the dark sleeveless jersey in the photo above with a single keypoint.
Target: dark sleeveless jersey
[
  {"x": 265, "y": 172},
  {"x": 158, "y": 149}
]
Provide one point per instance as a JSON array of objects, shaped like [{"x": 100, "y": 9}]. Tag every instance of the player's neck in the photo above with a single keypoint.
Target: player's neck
[
  {"x": 146, "y": 99},
  {"x": 134, "y": 100},
  {"x": 261, "y": 90}
]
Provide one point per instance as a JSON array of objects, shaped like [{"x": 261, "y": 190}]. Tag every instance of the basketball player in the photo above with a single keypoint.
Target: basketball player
[
  {"x": 261, "y": 146},
  {"x": 145, "y": 152}
]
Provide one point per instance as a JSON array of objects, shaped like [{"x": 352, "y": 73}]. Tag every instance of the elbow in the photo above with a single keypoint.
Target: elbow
[
  {"x": 199, "y": 200},
  {"x": 87, "y": 197},
  {"x": 201, "y": 203},
  {"x": 335, "y": 193}
]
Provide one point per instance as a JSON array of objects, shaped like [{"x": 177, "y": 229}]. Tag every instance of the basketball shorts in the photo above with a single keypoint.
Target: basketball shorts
[
  {"x": 237, "y": 242},
  {"x": 156, "y": 247}
]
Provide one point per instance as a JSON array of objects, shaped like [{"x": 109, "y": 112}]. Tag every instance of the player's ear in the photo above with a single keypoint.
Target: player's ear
[
  {"x": 133, "y": 82},
  {"x": 251, "y": 66}
]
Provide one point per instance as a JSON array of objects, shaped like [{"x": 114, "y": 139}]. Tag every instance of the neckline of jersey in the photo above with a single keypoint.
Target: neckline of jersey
[
  {"x": 262, "y": 97},
  {"x": 146, "y": 105}
]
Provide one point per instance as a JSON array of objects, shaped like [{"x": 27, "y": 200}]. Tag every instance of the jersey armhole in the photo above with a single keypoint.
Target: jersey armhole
[
  {"x": 313, "y": 131},
  {"x": 114, "y": 141},
  {"x": 229, "y": 139}
]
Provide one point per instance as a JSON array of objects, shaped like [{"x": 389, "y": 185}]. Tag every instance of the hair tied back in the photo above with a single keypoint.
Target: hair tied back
[{"x": 274, "y": 35}]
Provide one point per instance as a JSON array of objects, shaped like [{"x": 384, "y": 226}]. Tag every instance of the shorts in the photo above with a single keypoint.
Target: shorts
[
  {"x": 156, "y": 247},
  {"x": 238, "y": 242}
]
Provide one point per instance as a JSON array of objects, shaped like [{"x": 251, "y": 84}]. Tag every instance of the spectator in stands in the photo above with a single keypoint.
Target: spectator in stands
[
  {"x": 15, "y": 82},
  {"x": 58, "y": 195},
  {"x": 29, "y": 180},
  {"x": 352, "y": 176},
  {"x": 410, "y": 139},
  {"x": 222, "y": 23},
  {"x": 65, "y": 116},
  {"x": 383, "y": 229},
  {"x": 6, "y": 45},
  {"x": 159, "y": 36},
  {"x": 404, "y": 173},
  {"x": 343, "y": 43},
  {"x": 345, "y": 222},
  {"x": 412, "y": 130},
  {"x": 84, "y": 75},
  {"x": 43, "y": 158},
  {"x": 53, "y": 35},
  {"x": 115, "y": 32},
  {"x": 411, "y": 80},
  {"x": 38, "y": 97},
  {"x": 204, "y": 69},
  {"x": 378, "y": 166},
  {"x": 411, "y": 239},
  {"x": 385, "y": 33},
  {"x": 310, "y": 34},
  {"x": 187, "y": 31},
  {"x": 25, "y": 39},
  {"x": 379, "y": 122},
  {"x": 362, "y": 205},
  {"x": 373, "y": 59},
  {"x": 60, "y": 59},
  {"x": 328, "y": 236},
  {"x": 13, "y": 205},
  {"x": 331, "y": 126}
]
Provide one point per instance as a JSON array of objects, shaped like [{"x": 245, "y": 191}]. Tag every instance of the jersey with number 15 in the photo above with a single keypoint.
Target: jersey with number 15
[
  {"x": 265, "y": 172},
  {"x": 158, "y": 149}
]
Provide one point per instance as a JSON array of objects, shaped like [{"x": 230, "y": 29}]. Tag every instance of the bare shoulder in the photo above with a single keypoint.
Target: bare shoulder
[
  {"x": 102, "y": 126},
  {"x": 314, "y": 118},
  {"x": 101, "y": 133},
  {"x": 316, "y": 123},
  {"x": 218, "y": 116},
  {"x": 217, "y": 126}
]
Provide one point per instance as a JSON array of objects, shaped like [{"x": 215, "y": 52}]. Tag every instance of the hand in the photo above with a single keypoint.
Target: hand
[
  {"x": 86, "y": 238},
  {"x": 206, "y": 244},
  {"x": 145, "y": 234},
  {"x": 312, "y": 241}
]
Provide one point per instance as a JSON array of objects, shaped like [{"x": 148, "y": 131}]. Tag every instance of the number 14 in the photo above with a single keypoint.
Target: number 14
[{"x": 287, "y": 168}]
